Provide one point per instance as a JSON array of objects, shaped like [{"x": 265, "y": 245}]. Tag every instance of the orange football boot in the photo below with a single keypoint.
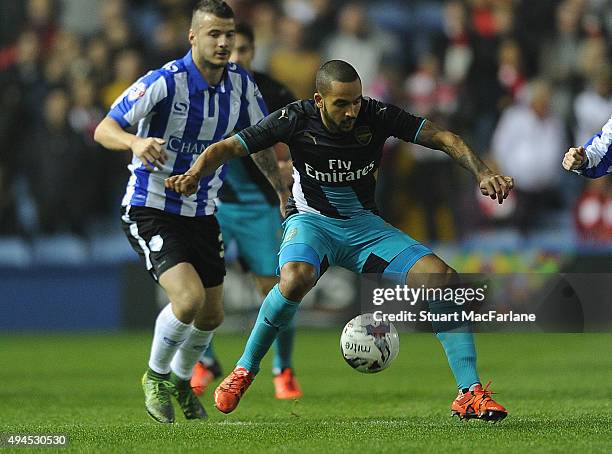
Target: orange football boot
[
  {"x": 286, "y": 385},
  {"x": 200, "y": 379},
  {"x": 229, "y": 392},
  {"x": 477, "y": 404}
]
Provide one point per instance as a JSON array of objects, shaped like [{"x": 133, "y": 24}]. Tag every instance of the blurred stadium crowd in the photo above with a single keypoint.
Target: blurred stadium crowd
[{"x": 521, "y": 80}]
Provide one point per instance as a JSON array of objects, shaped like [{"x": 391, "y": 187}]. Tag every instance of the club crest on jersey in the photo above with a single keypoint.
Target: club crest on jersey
[
  {"x": 363, "y": 135},
  {"x": 137, "y": 91}
]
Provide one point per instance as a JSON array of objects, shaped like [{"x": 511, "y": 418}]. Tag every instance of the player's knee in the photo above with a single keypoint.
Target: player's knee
[
  {"x": 188, "y": 301},
  {"x": 450, "y": 276},
  {"x": 432, "y": 272},
  {"x": 444, "y": 276},
  {"x": 296, "y": 280},
  {"x": 210, "y": 322}
]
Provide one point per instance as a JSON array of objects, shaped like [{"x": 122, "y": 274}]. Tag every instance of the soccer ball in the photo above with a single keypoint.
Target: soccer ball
[{"x": 369, "y": 346}]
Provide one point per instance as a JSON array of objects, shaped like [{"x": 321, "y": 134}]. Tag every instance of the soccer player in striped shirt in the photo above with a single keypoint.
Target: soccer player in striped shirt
[
  {"x": 248, "y": 215},
  {"x": 181, "y": 109},
  {"x": 594, "y": 159}
]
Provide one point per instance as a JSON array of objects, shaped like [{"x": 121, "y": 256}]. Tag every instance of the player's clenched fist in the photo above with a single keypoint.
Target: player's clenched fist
[
  {"x": 496, "y": 186},
  {"x": 185, "y": 184},
  {"x": 574, "y": 158},
  {"x": 150, "y": 151}
]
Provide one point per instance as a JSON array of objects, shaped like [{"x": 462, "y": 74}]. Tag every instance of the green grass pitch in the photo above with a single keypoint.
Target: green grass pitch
[{"x": 557, "y": 387}]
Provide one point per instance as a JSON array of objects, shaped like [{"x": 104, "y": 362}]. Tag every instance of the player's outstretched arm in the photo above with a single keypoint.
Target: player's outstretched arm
[
  {"x": 149, "y": 150},
  {"x": 491, "y": 184},
  {"x": 574, "y": 159},
  {"x": 210, "y": 160},
  {"x": 594, "y": 159},
  {"x": 267, "y": 162}
]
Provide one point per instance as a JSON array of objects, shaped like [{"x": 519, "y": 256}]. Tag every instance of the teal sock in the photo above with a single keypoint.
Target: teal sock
[
  {"x": 275, "y": 314},
  {"x": 461, "y": 355},
  {"x": 284, "y": 348},
  {"x": 208, "y": 357},
  {"x": 458, "y": 343}
]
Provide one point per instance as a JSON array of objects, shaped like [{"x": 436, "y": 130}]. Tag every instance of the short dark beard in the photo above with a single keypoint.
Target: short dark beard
[{"x": 329, "y": 123}]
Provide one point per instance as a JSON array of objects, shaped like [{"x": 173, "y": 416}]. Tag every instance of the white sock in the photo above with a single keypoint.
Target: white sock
[
  {"x": 170, "y": 333},
  {"x": 190, "y": 351}
]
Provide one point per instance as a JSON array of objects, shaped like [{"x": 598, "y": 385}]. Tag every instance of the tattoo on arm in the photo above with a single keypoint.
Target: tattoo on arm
[
  {"x": 432, "y": 136},
  {"x": 268, "y": 164}
]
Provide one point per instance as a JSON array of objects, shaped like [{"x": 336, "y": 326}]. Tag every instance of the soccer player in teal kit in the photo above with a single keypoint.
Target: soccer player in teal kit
[{"x": 336, "y": 144}]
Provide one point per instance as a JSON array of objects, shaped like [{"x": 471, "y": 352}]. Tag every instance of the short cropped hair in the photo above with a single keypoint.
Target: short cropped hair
[
  {"x": 334, "y": 71},
  {"x": 244, "y": 29},
  {"x": 217, "y": 8}
]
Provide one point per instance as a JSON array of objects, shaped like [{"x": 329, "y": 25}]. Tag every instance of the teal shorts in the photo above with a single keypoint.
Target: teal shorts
[
  {"x": 363, "y": 244},
  {"x": 256, "y": 229}
]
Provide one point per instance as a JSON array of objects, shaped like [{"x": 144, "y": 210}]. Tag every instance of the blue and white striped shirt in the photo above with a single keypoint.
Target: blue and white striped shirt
[
  {"x": 176, "y": 104},
  {"x": 599, "y": 153}
]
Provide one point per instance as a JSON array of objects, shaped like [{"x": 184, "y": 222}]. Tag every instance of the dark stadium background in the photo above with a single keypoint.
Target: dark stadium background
[{"x": 64, "y": 263}]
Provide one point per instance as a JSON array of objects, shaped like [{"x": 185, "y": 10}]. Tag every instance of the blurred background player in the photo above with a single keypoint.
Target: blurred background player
[
  {"x": 248, "y": 214},
  {"x": 594, "y": 158},
  {"x": 181, "y": 109},
  {"x": 332, "y": 219}
]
